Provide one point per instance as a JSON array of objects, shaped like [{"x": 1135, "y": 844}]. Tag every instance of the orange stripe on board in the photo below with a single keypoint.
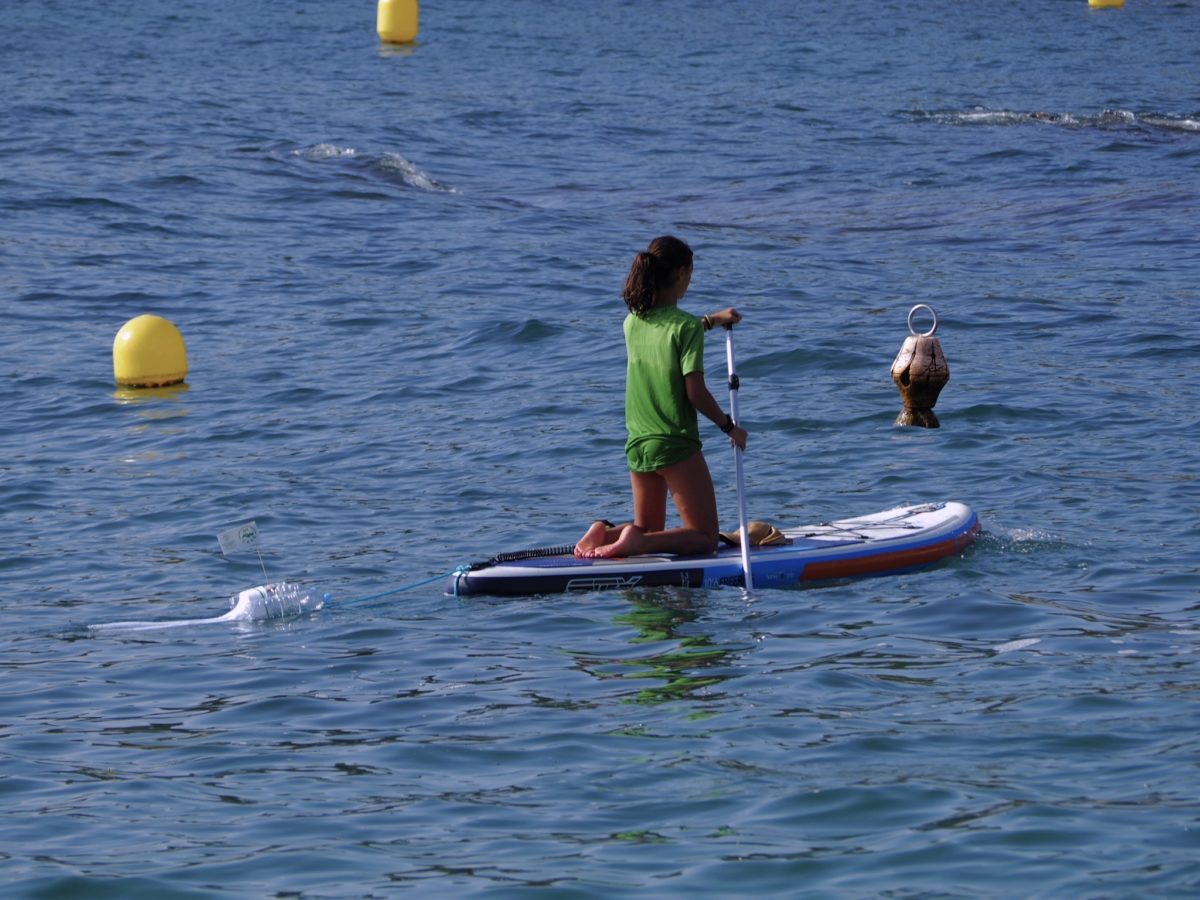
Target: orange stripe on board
[{"x": 907, "y": 558}]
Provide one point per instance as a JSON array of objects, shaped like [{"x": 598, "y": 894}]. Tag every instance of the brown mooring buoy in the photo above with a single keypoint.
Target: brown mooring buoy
[{"x": 920, "y": 372}]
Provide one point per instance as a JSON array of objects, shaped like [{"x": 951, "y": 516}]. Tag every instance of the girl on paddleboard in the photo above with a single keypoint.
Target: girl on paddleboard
[{"x": 664, "y": 390}]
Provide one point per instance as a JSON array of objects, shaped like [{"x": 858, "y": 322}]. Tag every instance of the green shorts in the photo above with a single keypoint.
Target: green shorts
[{"x": 649, "y": 454}]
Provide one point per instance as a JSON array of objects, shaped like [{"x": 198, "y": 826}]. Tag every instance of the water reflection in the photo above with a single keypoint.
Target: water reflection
[
  {"x": 129, "y": 396},
  {"x": 689, "y": 668}
]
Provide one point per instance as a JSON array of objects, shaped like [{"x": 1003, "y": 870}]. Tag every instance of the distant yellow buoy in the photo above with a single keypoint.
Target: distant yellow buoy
[
  {"x": 396, "y": 21},
  {"x": 1106, "y": 4},
  {"x": 148, "y": 352}
]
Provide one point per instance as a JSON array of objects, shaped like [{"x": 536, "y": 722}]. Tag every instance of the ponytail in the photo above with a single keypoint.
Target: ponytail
[
  {"x": 640, "y": 284},
  {"x": 654, "y": 268}
]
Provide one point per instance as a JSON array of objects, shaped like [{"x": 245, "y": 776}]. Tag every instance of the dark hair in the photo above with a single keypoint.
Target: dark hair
[{"x": 654, "y": 268}]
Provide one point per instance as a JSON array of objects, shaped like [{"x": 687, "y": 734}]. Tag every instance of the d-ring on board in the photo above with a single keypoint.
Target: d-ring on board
[{"x": 928, "y": 333}]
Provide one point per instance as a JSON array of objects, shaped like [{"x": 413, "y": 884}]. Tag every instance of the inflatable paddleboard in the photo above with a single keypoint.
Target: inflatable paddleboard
[{"x": 882, "y": 543}]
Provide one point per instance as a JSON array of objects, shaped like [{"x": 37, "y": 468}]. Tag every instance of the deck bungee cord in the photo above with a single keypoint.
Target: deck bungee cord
[{"x": 900, "y": 520}]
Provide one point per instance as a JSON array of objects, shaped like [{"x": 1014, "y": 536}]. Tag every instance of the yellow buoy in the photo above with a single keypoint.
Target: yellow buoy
[
  {"x": 148, "y": 352},
  {"x": 1106, "y": 4},
  {"x": 396, "y": 21}
]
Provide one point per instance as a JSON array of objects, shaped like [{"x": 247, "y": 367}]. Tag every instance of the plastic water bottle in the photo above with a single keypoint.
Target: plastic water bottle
[{"x": 273, "y": 601}]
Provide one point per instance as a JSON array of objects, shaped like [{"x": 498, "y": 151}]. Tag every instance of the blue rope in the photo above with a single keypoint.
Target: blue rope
[{"x": 408, "y": 587}]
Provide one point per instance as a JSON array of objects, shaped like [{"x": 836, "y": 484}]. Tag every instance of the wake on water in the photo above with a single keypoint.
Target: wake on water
[
  {"x": 1108, "y": 118},
  {"x": 282, "y": 600},
  {"x": 389, "y": 166}
]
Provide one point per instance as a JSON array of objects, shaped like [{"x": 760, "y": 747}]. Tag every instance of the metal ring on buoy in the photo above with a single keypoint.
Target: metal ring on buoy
[{"x": 928, "y": 333}]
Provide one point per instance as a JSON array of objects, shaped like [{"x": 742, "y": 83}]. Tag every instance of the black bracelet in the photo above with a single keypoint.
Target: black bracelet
[{"x": 728, "y": 426}]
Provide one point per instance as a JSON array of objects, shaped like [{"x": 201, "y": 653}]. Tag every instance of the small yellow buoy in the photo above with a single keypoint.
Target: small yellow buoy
[
  {"x": 396, "y": 21},
  {"x": 148, "y": 352},
  {"x": 1106, "y": 4}
]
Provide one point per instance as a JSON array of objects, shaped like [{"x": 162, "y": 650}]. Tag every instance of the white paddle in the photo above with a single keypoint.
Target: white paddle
[{"x": 737, "y": 458}]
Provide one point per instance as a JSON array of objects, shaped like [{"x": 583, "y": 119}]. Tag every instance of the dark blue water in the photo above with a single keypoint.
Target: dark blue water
[{"x": 397, "y": 271}]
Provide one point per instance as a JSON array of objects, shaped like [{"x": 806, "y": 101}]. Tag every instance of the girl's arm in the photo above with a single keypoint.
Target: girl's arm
[
  {"x": 707, "y": 405},
  {"x": 725, "y": 318}
]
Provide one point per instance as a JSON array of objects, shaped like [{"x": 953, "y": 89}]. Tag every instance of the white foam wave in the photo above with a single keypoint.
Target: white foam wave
[
  {"x": 1019, "y": 539},
  {"x": 1107, "y": 118},
  {"x": 395, "y": 165},
  {"x": 1019, "y": 644},
  {"x": 326, "y": 151},
  {"x": 392, "y": 166}
]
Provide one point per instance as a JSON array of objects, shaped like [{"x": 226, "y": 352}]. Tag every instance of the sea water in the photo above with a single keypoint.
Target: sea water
[{"x": 397, "y": 271}]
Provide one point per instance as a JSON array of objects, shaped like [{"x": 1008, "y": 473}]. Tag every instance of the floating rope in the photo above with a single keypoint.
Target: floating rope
[
  {"x": 407, "y": 587},
  {"x": 457, "y": 573}
]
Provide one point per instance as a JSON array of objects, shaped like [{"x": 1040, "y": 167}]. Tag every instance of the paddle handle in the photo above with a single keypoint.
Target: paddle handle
[{"x": 731, "y": 364}]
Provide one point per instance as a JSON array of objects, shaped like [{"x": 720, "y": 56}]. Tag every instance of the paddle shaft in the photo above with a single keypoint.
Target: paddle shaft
[{"x": 737, "y": 460}]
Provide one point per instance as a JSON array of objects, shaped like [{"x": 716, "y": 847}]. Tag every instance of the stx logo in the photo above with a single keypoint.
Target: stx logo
[{"x": 612, "y": 583}]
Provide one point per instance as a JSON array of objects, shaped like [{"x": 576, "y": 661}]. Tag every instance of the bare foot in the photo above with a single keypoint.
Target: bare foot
[
  {"x": 628, "y": 544},
  {"x": 593, "y": 538}
]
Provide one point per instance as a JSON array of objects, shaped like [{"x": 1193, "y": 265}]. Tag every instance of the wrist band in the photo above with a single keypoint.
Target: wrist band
[
  {"x": 728, "y": 426},
  {"x": 707, "y": 323}
]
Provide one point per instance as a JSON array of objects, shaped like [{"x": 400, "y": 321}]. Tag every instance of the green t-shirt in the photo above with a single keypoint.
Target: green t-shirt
[{"x": 661, "y": 349}]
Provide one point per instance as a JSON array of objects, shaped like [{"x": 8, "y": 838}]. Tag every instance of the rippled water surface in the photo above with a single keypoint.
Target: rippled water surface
[{"x": 397, "y": 270}]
